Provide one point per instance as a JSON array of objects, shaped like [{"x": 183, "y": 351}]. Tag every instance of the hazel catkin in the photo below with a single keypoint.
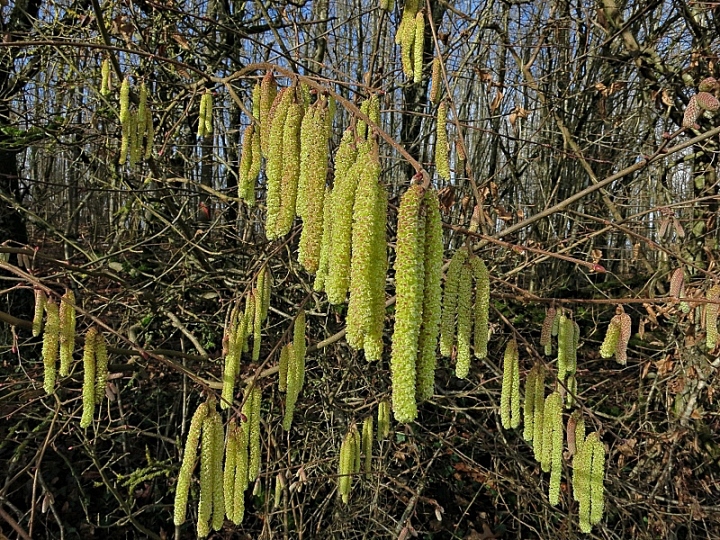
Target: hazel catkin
[
  {"x": 51, "y": 338},
  {"x": 182, "y": 487},
  {"x": 101, "y": 367},
  {"x": 442, "y": 162},
  {"x": 40, "y": 302},
  {"x": 464, "y": 322},
  {"x": 88, "y": 393},
  {"x": 418, "y": 46},
  {"x": 450, "y": 299},
  {"x": 482, "y": 306}
]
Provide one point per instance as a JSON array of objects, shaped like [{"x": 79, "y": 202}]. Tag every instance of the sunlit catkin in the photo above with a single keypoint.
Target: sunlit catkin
[
  {"x": 241, "y": 475},
  {"x": 188, "y": 463},
  {"x": 314, "y": 195},
  {"x": 230, "y": 468},
  {"x": 556, "y": 445},
  {"x": 324, "y": 264},
  {"x": 409, "y": 285},
  {"x": 383, "y": 420},
  {"x": 105, "y": 77},
  {"x": 711, "y": 317},
  {"x": 255, "y": 396},
  {"x": 366, "y": 309},
  {"x": 218, "y": 513},
  {"x": 346, "y": 467},
  {"x": 275, "y": 159},
  {"x": 202, "y": 116},
  {"x": 264, "y": 285},
  {"x": 435, "y": 82},
  {"x": 246, "y": 184},
  {"x": 612, "y": 336},
  {"x": 407, "y": 37},
  {"x": 124, "y": 119},
  {"x": 51, "y": 338},
  {"x": 88, "y": 393},
  {"x": 313, "y": 157},
  {"x": 293, "y": 387},
  {"x": 418, "y": 46},
  {"x": 482, "y": 306},
  {"x": 208, "y": 113},
  {"x": 529, "y": 404},
  {"x": 101, "y": 367},
  {"x": 207, "y": 475},
  {"x": 539, "y": 415},
  {"x": 40, "y": 302},
  {"x": 150, "y": 135},
  {"x": 268, "y": 91},
  {"x": 290, "y": 169},
  {"x": 67, "y": 331},
  {"x": 464, "y": 322},
  {"x": 597, "y": 474},
  {"x": 575, "y": 431},
  {"x": 450, "y": 298},
  {"x": 257, "y": 325},
  {"x": 510, "y": 396},
  {"x": 624, "y": 323},
  {"x": 300, "y": 345},
  {"x": 432, "y": 297},
  {"x": 343, "y": 200},
  {"x": 367, "y": 445},
  {"x": 283, "y": 367},
  {"x": 442, "y": 162},
  {"x": 565, "y": 326}
]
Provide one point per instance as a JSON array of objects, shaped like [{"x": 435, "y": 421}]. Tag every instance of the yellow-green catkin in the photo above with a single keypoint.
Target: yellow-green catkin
[
  {"x": 300, "y": 345},
  {"x": 134, "y": 139},
  {"x": 343, "y": 200},
  {"x": 141, "y": 126},
  {"x": 366, "y": 309},
  {"x": 539, "y": 415},
  {"x": 529, "y": 404},
  {"x": 207, "y": 475},
  {"x": 450, "y": 299},
  {"x": 275, "y": 159},
  {"x": 349, "y": 456},
  {"x": 88, "y": 393},
  {"x": 362, "y": 130},
  {"x": 314, "y": 195},
  {"x": 149, "y": 134},
  {"x": 564, "y": 333},
  {"x": 51, "y": 338},
  {"x": 40, "y": 302},
  {"x": 264, "y": 285},
  {"x": 218, "y": 514},
  {"x": 291, "y": 169},
  {"x": 367, "y": 446},
  {"x": 268, "y": 92},
  {"x": 546, "y": 333},
  {"x": 324, "y": 264},
  {"x": 257, "y": 325},
  {"x": 248, "y": 320},
  {"x": 510, "y": 396},
  {"x": 571, "y": 384},
  {"x": 241, "y": 475},
  {"x": 293, "y": 386},
  {"x": 230, "y": 468},
  {"x": 255, "y": 395},
  {"x": 418, "y": 46},
  {"x": 464, "y": 322},
  {"x": 482, "y": 306},
  {"x": 436, "y": 84},
  {"x": 246, "y": 184},
  {"x": 373, "y": 112},
  {"x": 202, "y": 114},
  {"x": 609, "y": 344},
  {"x": 432, "y": 297},
  {"x": 409, "y": 285},
  {"x": 125, "y": 117},
  {"x": 188, "y": 463},
  {"x": 232, "y": 360},
  {"x": 711, "y": 317},
  {"x": 67, "y": 331},
  {"x": 442, "y": 161},
  {"x": 208, "y": 113},
  {"x": 101, "y": 367},
  {"x": 313, "y": 155},
  {"x": 283, "y": 367},
  {"x": 597, "y": 474},
  {"x": 405, "y": 36},
  {"x": 105, "y": 77},
  {"x": 383, "y": 422},
  {"x": 279, "y": 482},
  {"x": 552, "y": 418},
  {"x": 556, "y": 448}
]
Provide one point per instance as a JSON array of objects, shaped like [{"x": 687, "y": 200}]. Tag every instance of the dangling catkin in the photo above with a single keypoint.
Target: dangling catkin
[
  {"x": 464, "y": 322},
  {"x": 257, "y": 324},
  {"x": 292, "y": 386},
  {"x": 565, "y": 327},
  {"x": 150, "y": 135},
  {"x": 324, "y": 264},
  {"x": 101, "y": 367},
  {"x": 202, "y": 116},
  {"x": 246, "y": 184},
  {"x": 409, "y": 285},
  {"x": 597, "y": 474},
  {"x": 88, "y": 393},
  {"x": 313, "y": 156},
  {"x": 450, "y": 299},
  {"x": 442, "y": 162},
  {"x": 435, "y": 82},
  {"x": 290, "y": 169},
  {"x": 255, "y": 395},
  {"x": 264, "y": 285},
  {"x": 300, "y": 345},
  {"x": 367, "y": 445},
  {"x": 124, "y": 119},
  {"x": 188, "y": 463},
  {"x": 343, "y": 200},
  {"x": 418, "y": 46},
  {"x": 268, "y": 92},
  {"x": 218, "y": 514},
  {"x": 432, "y": 298},
  {"x": 208, "y": 113},
  {"x": 624, "y": 323},
  {"x": 275, "y": 157},
  {"x": 539, "y": 415},
  {"x": 556, "y": 446},
  {"x": 510, "y": 396},
  {"x": 383, "y": 422},
  {"x": 482, "y": 306},
  {"x": 612, "y": 336},
  {"x": 346, "y": 466},
  {"x": 105, "y": 77},
  {"x": 283, "y": 367},
  {"x": 40, "y": 302},
  {"x": 529, "y": 404},
  {"x": 51, "y": 338},
  {"x": 314, "y": 195},
  {"x": 575, "y": 433},
  {"x": 366, "y": 309},
  {"x": 546, "y": 333},
  {"x": 711, "y": 317},
  {"x": 207, "y": 474},
  {"x": 241, "y": 474},
  {"x": 230, "y": 468},
  {"x": 362, "y": 131},
  {"x": 407, "y": 36}
]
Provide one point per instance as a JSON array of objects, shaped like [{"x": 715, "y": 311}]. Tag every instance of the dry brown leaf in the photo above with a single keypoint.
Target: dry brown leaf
[{"x": 496, "y": 101}]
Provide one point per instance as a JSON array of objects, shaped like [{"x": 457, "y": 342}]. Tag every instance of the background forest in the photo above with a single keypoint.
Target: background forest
[{"x": 572, "y": 175}]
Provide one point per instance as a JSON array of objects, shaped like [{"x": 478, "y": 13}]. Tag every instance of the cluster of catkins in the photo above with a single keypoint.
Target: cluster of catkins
[
  {"x": 617, "y": 337},
  {"x": 222, "y": 488},
  {"x": 410, "y": 36},
  {"x": 240, "y": 326},
  {"x": 58, "y": 332},
  {"x": 710, "y": 314},
  {"x": 464, "y": 313},
  {"x": 543, "y": 417},
  {"x": 355, "y": 446},
  {"x": 138, "y": 134},
  {"x": 292, "y": 369}
]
